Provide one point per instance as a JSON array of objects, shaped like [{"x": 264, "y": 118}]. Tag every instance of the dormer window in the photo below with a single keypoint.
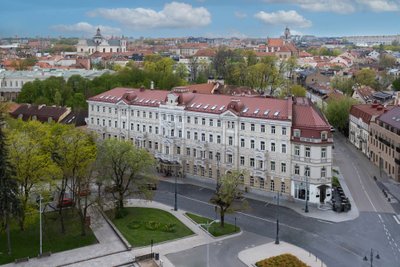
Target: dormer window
[
  {"x": 296, "y": 133},
  {"x": 324, "y": 136}
]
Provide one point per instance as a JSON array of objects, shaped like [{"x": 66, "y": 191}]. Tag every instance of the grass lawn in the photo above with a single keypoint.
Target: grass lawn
[
  {"x": 281, "y": 260},
  {"x": 141, "y": 225},
  {"x": 215, "y": 229},
  {"x": 26, "y": 244}
]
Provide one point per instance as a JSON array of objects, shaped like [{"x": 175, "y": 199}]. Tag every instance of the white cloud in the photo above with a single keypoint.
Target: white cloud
[
  {"x": 283, "y": 17},
  {"x": 343, "y": 6},
  {"x": 380, "y": 5},
  {"x": 173, "y": 15},
  {"x": 240, "y": 15},
  {"x": 86, "y": 28}
]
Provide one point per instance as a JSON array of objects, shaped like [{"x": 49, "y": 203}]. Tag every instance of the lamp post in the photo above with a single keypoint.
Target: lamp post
[
  {"x": 380, "y": 165},
  {"x": 371, "y": 258},
  {"x": 176, "y": 194},
  {"x": 39, "y": 199},
  {"x": 218, "y": 174},
  {"x": 306, "y": 208},
  {"x": 277, "y": 219}
]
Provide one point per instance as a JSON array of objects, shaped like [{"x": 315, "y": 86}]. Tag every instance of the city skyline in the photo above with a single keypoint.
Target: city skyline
[{"x": 207, "y": 18}]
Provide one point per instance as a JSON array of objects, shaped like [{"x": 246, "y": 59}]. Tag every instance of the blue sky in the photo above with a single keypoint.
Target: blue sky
[{"x": 209, "y": 18}]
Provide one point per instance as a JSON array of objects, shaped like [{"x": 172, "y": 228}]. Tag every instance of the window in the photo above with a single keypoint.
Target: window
[
  {"x": 180, "y": 133},
  {"x": 188, "y": 151},
  {"x": 272, "y": 185},
  {"x": 273, "y": 129},
  {"x": 252, "y": 127},
  {"x": 172, "y": 132},
  {"x": 296, "y": 133},
  {"x": 323, "y": 152},
  {"x": 211, "y": 138},
  {"x": 241, "y": 178},
  {"x": 98, "y": 108},
  {"x": 188, "y": 135},
  {"x": 156, "y": 145},
  {"x": 187, "y": 167},
  {"x": 218, "y": 156},
  {"x": 116, "y": 124},
  {"x": 283, "y": 187},
  {"x": 156, "y": 115},
  {"x": 203, "y": 137},
  {"x": 180, "y": 118},
  {"x": 272, "y": 147},
  {"x": 150, "y": 144},
  {"x": 194, "y": 152},
  {"x": 252, "y": 144},
  {"x": 242, "y": 126},
  {"x": 156, "y": 129},
  {"x": 283, "y": 148},
  {"x": 203, "y": 121},
  {"x": 104, "y": 122},
  {"x": 210, "y": 155},
  {"x": 91, "y": 120},
  {"x": 138, "y": 114},
  {"x": 211, "y": 122},
  {"x": 273, "y": 166},
  {"x": 241, "y": 160},
  {"x": 172, "y": 117},
  {"x": 132, "y": 127},
  {"x": 230, "y": 158},
  {"x": 323, "y": 172},
  {"x": 262, "y": 128},
  {"x": 242, "y": 142},
  {"x": 283, "y": 130},
  {"x": 195, "y": 136},
  {"x": 188, "y": 119},
  {"x": 218, "y": 123},
  {"x": 144, "y": 114},
  {"x": 261, "y": 164},
  {"x": 104, "y": 109},
  {"x": 230, "y": 140},
  {"x": 163, "y": 131},
  {"x": 251, "y": 181},
  {"x": 324, "y": 136},
  {"x": 262, "y": 145},
  {"x": 196, "y": 120},
  {"x": 150, "y": 115},
  {"x": 218, "y": 139},
  {"x": 251, "y": 162},
  {"x": 178, "y": 150},
  {"x": 261, "y": 182},
  {"x": 308, "y": 152},
  {"x": 297, "y": 150},
  {"x": 194, "y": 169},
  {"x": 167, "y": 150},
  {"x": 297, "y": 170},
  {"x": 210, "y": 172},
  {"x": 92, "y": 107},
  {"x": 283, "y": 167},
  {"x": 307, "y": 171}
]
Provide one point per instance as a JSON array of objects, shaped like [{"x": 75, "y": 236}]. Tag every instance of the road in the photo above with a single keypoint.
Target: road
[{"x": 337, "y": 244}]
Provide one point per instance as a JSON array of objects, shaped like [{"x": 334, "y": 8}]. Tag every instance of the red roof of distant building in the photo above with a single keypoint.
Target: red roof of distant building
[
  {"x": 367, "y": 111},
  {"x": 205, "y": 53},
  {"x": 275, "y": 42}
]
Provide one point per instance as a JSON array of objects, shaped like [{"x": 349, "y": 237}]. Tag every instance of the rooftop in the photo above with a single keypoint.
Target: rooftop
[{"x": 391, "y": 117}]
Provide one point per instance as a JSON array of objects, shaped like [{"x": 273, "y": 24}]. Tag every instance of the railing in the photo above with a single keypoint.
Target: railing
[{"x": 311, "y": 160}]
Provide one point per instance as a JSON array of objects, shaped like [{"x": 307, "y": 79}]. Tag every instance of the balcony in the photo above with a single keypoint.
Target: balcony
[{"x": 311, "y": 160}]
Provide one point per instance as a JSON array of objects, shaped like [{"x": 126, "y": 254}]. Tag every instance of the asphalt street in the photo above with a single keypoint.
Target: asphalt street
[{"x": 337, "y": 244}]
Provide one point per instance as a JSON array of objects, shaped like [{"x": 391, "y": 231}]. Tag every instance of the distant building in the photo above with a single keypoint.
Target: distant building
[{"x": 99, "y": 44}]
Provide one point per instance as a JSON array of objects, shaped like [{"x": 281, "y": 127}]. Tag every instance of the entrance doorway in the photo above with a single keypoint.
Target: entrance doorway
[{"x": 322, "y": 193}]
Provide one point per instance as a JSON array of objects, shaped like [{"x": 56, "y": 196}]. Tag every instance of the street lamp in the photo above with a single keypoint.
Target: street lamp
[
  {"x": 207, "y": 225},
  {"x": 218, "y": 174},
  {"x": 176, "y": 193},
  {"x": 380, "y": 165},
  {"x": 39, "y": 199},
  {"x": 306, "y": 208},
  {"x": 277, "y": 220},
  {"x": 371, "y": 258}
]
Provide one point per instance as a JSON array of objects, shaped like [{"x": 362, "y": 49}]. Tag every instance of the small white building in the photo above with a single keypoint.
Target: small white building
[{"x": 99, "y": 44}]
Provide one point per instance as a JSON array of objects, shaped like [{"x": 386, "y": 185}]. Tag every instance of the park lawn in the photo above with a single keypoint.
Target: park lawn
[
  {"x": 215, "y": 229},
  {"x": 26, "y": 244},
  {"x": 141, "y": 225},
  {"x": 281, "y": 260}
]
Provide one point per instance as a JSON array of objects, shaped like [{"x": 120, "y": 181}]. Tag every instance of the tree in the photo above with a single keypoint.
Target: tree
[
  {"x": 124, "y": 166},
  {"x": 366, "y": 77},
  {"x": 387, "y": 61},
  {"x": 298, "y": 90},
  {"x": 181, "y": 71},
  {"x": 227, "y": 192},
  {"x": 9, "y": 201},
  {"x": 32, "y": 163},
  {"x": 396, "y": 84},
  {"x": 338, "y": 111},
  {"x": 343, "y": 84}
]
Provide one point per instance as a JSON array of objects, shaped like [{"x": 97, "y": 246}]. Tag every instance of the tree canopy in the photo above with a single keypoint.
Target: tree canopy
[{"x": 338, "y": 111}]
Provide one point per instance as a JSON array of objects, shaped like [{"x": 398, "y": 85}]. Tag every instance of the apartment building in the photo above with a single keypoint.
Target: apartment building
[
  {"x": 205, "y": 136},
  {"x": 384, "y": 142}
]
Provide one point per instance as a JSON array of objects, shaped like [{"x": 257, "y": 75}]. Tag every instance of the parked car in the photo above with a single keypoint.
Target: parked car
[
  {"x": 66, "y": 202},
  {"x": 333, "y": 129}
]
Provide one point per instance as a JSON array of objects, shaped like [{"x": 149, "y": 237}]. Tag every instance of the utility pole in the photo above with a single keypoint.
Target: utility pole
[
  {"x": 277, "y": 220},
  {"x": 306, "y": 209},
  {"x": 40, "y": 225},
  {"x": 176, "y": 194}
]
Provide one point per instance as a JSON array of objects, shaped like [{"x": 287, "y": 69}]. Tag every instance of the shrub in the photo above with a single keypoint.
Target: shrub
[
  {"x": 134, "y": 225},
  {"x": 335, "y": 181},
  {"x": 281, "y": 260},
  {"x": 169, "y": 228},
  {"x": 152, "y": 225}
]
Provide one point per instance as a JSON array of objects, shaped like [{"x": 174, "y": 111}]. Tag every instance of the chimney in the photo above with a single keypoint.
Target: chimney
[
  {"x": 152, "y": 85},
  {"x": 142, "y": 88}
]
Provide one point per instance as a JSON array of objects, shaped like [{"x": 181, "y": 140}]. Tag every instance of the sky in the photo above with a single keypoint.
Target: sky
[{"x": 207, "y": 18}]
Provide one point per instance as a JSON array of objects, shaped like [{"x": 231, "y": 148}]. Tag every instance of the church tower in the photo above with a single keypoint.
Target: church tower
[
  {"x": 98, "y": 38},
  {"x": 287, "y": 34}
]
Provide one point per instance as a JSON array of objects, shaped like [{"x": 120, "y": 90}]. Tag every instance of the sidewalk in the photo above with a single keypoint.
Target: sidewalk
[
  {"x": 314, "y": 210},
  {"x": 252, "y": 255}
]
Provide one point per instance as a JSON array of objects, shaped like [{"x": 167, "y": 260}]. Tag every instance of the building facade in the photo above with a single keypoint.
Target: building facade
[
  {"x": 384, "y": 142},
  {"x": 208, "y": 135},
  {"x": 99, "y": 44}
]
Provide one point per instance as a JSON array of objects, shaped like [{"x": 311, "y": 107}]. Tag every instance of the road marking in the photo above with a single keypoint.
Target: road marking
[
  {"x": 395, "y": 218},
  {"x": 363, "y": 188},
  {"x": 325, "y": 221},
  {"x": 266, "y": 204}
]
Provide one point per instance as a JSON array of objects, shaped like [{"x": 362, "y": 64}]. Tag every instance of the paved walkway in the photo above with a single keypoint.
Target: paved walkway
[
  {"x": 252, "y": 255},
  {"x": 314, "y": 210}
]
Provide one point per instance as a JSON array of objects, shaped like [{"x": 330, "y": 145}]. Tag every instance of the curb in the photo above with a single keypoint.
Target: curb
[{"x": 116, "y": 231}]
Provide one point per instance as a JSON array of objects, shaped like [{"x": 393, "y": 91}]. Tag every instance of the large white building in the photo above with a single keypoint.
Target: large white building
[
  {"x": 283, "y": 145},
  {"x": 100, "y": 44}
]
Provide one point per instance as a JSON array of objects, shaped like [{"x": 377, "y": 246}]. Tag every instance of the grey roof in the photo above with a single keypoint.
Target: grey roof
[
  {"x": 392, "y": 117},
  {"x": 42, "y": 74}
]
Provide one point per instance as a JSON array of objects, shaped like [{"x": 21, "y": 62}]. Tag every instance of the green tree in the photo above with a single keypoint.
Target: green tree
[
  {"x": 343, "y": 84},
  {"x": 9, "y": 201},
  {"x": 366, "y": 77},
  {"x": 298, "y": 90},
  {"x": 338, "y": 111},
  {"x": 226, "y": 193},
  {"x": 181, "y": 71},
  {"x": 387, "y": 61},
  {"x": 124, "y": 166},
  {"x": 396, "y": 84}
]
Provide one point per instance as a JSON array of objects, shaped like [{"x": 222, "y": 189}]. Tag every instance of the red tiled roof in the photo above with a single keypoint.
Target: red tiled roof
[
  {"x": 365, "y": 92},
  {"x": 205, "y": 53},
  {"x": 304, "y": 54},
  {"x": 367, "y": 111},
  {"x": 275, "y": 42},
  {"x": 42, "y": 112},
  {"x": 255, "y": 107},
  {"x": 202, "y": 88}
]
